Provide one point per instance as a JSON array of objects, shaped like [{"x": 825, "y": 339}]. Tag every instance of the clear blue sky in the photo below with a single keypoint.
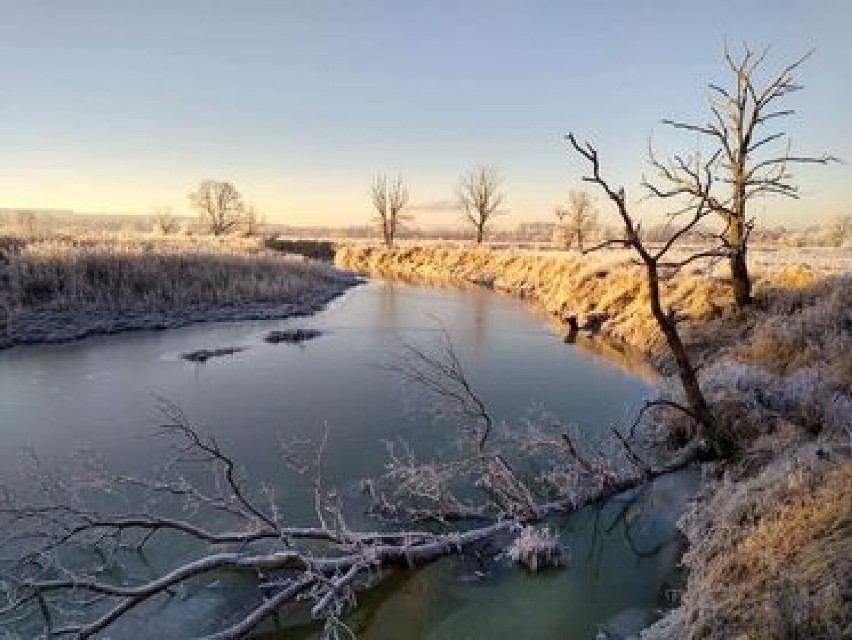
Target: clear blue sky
[{"x": 123, "y": 105}]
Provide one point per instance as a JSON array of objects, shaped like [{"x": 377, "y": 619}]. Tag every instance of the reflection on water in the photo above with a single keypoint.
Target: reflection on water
[
  {"x": 386, "y": 309},
  {"x": 100, "y": 393},
  {"x": 619, "y": 575}
]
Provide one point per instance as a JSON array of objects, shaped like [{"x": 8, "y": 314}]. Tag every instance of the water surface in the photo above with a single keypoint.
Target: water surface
[{"x": 101, "y": 393}]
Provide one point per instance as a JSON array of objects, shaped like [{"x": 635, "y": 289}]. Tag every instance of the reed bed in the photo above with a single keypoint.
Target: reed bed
[{"x": 67, "y": 286}]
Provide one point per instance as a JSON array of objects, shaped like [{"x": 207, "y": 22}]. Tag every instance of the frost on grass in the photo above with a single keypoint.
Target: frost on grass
[
  {"x": 536, "y": 548},
  {"x": 770, "y": 555},
  {"x": 607, "y": 284},
  {"x": 65, "y": 287},
  {"x": 783, "y": 362}
]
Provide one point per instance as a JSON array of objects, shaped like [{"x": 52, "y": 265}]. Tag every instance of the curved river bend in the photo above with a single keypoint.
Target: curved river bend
[{"x": 101, "y": 393}]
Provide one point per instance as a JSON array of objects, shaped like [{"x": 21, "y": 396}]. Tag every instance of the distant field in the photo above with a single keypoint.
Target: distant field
[
  {"x": 767, "y": 258},
  {"x": 762, "y": 257}
]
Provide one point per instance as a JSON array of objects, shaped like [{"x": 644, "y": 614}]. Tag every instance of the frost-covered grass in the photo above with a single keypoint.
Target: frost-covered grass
[
  {"x": 62, "y": 287},
  {"x": 770, "y": 554},
  {"x": 784, "y": 360},
  {"x": 771, "y": 544},
  {"x": 788, "y": 355}
]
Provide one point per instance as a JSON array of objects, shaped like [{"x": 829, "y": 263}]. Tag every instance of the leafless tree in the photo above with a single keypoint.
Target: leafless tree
[
  {"x": 28, "y": 223},
  {"x": 578, "y": 219},
  {"x": 253, "y": 223},
  {"x": 837, "y": 232},
  {"x": 81, "y": 568},
  {"x": 658, "y": 267},
  {"x": 389, "y": 197},
  {"x": 480, "y": 198},
  {"x": 164, "y": 222},
  {"x": 753, "y": 159},
  {"x": 219, "y": 205},
  {"x": 525, "y": 472}
]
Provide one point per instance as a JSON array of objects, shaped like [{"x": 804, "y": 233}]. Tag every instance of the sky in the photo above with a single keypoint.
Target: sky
[{"x": 122, "y": 106}]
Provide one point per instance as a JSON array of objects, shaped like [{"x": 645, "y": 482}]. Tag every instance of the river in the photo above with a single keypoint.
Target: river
[{"x": 101, "y": 393}]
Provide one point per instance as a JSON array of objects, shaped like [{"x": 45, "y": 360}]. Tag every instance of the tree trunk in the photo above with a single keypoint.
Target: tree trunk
[
  {"x": 736, "y": 240},
  {"x": 740, "y": 278},
  {"x": 480, "y": 233},
  {"x": 722, "y": 445}
]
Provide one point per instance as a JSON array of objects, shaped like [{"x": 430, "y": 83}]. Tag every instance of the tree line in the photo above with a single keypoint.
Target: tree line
[{"x": 746, "y": 157}]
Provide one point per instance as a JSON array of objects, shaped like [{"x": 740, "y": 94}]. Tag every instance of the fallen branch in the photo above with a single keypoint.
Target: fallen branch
[{"x": 75, "y": 567}]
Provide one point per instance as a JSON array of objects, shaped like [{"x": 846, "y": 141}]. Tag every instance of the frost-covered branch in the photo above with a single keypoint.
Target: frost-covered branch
[{"x": 76, "y": 547}]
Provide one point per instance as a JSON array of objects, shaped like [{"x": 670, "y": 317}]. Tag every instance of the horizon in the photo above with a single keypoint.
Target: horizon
[
  {"x": 501, "y": 225},
  {"x": 119, "y": 108}
]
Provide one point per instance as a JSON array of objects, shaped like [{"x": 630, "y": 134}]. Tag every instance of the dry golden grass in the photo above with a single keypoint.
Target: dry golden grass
[
  {"x": 803, "y": 317},
  {"x": 786, "y": 356},
  {"x": 772, "y": 555},
  {"x": 805, "y": 322}
]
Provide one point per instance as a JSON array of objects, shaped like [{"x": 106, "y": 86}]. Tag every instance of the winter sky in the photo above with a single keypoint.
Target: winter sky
[{"x": 124, "y": 105}]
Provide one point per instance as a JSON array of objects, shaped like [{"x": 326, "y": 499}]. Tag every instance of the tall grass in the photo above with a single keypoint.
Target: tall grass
[
  {"x": 62, "y": 287},
  {"x": 770, "y": 555}
]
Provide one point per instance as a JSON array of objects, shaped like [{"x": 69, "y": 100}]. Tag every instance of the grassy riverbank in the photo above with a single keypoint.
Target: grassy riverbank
[
  {"x": 62, "y": 287},
  {"x": 771, "y": 538}
]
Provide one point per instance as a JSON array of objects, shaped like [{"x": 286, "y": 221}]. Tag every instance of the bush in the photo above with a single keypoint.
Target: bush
[{"x": 314, "y": 249}]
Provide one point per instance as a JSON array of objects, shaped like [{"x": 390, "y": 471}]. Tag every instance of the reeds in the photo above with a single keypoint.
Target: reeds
[{"x": 62, "y": 287}]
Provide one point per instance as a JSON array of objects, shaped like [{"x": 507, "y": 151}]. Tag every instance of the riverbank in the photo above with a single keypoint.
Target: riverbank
[
  {"x": 65, "y": 287},
  {"x": 780, "y": 379}
]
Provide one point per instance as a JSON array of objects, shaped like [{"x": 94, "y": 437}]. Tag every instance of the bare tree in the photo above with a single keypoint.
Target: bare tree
[
  {"x": 753, "y": 160},
  {"x": 219, "y": 205},
  {"x": 253, "y": 223},
  {"x": 837, "y": 232},
  {"x": 164, "y": 221},
  {"x": 578, "y": 219},
  {"x": 658, "y": 268},
  {"x": 524, "y": 472},
  {"x": 480, "y": 198},
  {"x": 82, "y": 540},
  {"x": 28, "y": 223},
  {"x": 389, "y": 197}
]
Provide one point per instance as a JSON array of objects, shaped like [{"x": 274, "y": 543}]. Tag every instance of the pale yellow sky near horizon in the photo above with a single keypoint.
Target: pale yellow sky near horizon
[{"x": 348, "y": 204}]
